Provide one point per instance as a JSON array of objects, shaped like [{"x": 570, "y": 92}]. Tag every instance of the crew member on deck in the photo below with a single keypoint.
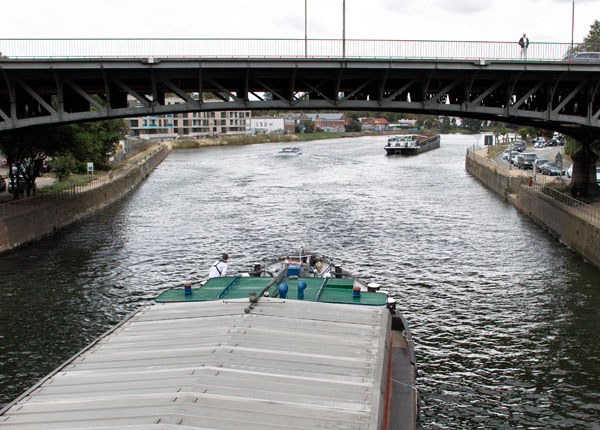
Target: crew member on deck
[{"x": 219, "y": 267}]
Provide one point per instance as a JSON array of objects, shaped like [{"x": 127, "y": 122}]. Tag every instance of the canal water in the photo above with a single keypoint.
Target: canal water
[{"x": 505, "y": 318}]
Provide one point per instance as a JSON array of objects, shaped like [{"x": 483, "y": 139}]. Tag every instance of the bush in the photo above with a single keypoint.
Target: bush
[{"x": 64, "y": 166}]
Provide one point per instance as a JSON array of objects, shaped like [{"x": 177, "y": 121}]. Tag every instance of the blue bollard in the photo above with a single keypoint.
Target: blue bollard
[
  {"x": 301, "y": 288},
  {"x": 356, "y": 291},
  {"x": 283, "y": 290},
  {"x": 188, "y": 288}
]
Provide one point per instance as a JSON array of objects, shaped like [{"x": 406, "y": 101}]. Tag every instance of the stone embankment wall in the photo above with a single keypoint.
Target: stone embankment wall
[
  {"x": 556, "y": 217},
  {"x": 47, "y": 216}
]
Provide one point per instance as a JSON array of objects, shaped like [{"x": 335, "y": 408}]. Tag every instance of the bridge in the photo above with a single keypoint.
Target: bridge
[{"x": 47, "y": 82}]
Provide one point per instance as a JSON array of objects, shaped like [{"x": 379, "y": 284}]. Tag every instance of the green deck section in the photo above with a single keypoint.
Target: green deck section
[{"x": 335, "y": 291}]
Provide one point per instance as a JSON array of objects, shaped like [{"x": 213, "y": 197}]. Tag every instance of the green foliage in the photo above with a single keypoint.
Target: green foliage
[
  {"x": 71, "y": 181},
  {"x": 354, "y": 126},
  {"x": 309, "y": 127},
  {"x": 446, "y": 126},
  {"x": 472, "y": 124},
  {"x": 591, "y": 43},
  {"x": 64, "y": 166},
  {"x": 95, "y": 141}
]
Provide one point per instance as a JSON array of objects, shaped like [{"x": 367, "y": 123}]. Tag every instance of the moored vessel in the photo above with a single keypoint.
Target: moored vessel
[
  {"x": 411, "y": 144},
  {"x": 297, "y": 342}
]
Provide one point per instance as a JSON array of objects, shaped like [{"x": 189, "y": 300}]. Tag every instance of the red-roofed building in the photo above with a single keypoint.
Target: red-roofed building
[{"x": 375, "y": 124}]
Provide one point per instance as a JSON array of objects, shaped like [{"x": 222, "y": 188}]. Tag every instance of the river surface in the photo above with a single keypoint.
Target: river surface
[{"x": 506, "y": 319}]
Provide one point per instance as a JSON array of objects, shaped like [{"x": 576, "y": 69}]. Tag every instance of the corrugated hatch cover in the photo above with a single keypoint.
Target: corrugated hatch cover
[{"x": 209, "y": 365}]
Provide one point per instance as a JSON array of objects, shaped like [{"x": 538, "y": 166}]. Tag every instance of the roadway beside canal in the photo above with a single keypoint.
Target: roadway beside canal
[{"x": 573, "y": 222}]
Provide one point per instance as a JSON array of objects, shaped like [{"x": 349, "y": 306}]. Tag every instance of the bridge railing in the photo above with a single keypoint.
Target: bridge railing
[{"x": 149, "y": 48}]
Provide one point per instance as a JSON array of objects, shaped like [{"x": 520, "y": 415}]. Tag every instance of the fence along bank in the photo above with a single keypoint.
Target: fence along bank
[{"x": 29, "y": 220}]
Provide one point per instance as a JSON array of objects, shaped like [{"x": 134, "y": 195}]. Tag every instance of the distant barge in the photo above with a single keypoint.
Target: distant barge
[
  {"x": 300, "y": 344},
  {"x": 411, "y": 144}
]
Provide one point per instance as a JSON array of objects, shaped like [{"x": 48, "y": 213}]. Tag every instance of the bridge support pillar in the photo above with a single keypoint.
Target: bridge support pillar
[{"x": 583, "y": 180}]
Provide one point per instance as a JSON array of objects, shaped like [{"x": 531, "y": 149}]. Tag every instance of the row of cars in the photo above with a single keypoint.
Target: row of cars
[
  {"x": 542, "y": 142},
  {"x": 527, "y": 160}
]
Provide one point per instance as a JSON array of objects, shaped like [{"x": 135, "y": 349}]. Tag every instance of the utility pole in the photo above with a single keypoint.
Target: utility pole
[
  {"x": 305, "y": 29},
  {"x": 572, "y": 24},
  {"x": 344, "y": 31}
]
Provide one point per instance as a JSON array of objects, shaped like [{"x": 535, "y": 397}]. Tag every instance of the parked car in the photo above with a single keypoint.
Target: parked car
[
  {"x": 538, "y": 163},
  {"x": 2, "y": 184},
  {"x": 515, "y": 159},
  {"x": 506, "y": 154},
  {"x": 519, "y": 146},
  {"x": 513, "y": 156},
  {"x": 570, "y": 171},
  {"x": 12, "y": 185},
  {"x": 525, "y": 161},
  {"x": 583, "y": 57},
  {"x": 46, "y": 167},
  {"x": 552, "y": 169}
]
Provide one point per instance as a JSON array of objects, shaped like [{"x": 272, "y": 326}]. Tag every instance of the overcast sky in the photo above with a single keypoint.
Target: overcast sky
[{"x": 488, "y": 20}]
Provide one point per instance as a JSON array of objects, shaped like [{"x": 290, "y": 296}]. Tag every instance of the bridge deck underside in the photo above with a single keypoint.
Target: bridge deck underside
[{"x": 560, "y": 97}]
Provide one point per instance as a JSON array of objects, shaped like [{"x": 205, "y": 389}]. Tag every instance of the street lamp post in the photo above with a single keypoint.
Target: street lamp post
[
  {"x": 572, "y": 24},
  {"x": 305, "y": 29},
  {"x": 344, "y": 31}
]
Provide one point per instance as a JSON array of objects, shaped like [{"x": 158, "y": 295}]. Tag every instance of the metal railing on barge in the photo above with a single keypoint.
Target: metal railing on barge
[{"x": 154, "y": 49}]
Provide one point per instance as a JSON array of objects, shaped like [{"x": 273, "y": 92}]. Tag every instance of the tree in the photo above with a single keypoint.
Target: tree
[
  {"x": 26, "y": 149},
  {"x": 474, "y": 125},
  {"x": 592, "y": 41},
  {"x": 446, "y": 127},
  {"x": 354, "y": 125}
]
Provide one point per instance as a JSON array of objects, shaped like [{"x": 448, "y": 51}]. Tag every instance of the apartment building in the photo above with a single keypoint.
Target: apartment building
[{"x": 193, "y": 124}]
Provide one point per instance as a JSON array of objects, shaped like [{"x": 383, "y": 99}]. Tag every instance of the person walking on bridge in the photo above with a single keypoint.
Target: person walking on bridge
[
  {"x": 524, "y": 44},
  {"x": 219, "y": 267}
]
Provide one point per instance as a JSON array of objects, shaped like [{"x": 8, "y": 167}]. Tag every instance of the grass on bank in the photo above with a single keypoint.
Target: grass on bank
[
  {"x": 249, "y": 140},
  {"x": 75, "y": 180}
]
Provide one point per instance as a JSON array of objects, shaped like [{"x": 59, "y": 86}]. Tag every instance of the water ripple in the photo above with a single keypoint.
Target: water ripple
[{"x": 505, "y": 318}]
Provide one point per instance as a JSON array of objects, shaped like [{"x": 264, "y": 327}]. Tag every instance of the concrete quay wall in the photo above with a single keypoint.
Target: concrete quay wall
[
  {"x": 51, "y": 216},
  {"x": 556, "y": 217}
]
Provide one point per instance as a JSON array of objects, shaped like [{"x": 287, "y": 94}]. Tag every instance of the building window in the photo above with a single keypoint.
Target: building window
[{"x": 133, "y": 123}]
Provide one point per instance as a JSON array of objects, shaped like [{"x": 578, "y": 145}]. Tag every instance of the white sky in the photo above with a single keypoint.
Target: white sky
[{"x": 488, "y": 20}]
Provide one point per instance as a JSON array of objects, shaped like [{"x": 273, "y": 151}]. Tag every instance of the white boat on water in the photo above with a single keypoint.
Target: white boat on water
[{"x": 290, "y": 150}]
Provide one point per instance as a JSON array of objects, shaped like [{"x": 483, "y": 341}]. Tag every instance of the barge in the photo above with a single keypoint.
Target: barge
[
  {"x": 411, "y": 144},
  {"x": 260, "y": 351}
]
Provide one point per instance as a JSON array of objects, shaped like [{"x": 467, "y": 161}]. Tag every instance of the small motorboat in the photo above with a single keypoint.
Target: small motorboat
[{"x": 290, "y": 150}]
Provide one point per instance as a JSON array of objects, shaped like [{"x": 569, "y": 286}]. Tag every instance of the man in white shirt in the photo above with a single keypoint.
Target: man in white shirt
[{"x": 219, "y": 267}]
